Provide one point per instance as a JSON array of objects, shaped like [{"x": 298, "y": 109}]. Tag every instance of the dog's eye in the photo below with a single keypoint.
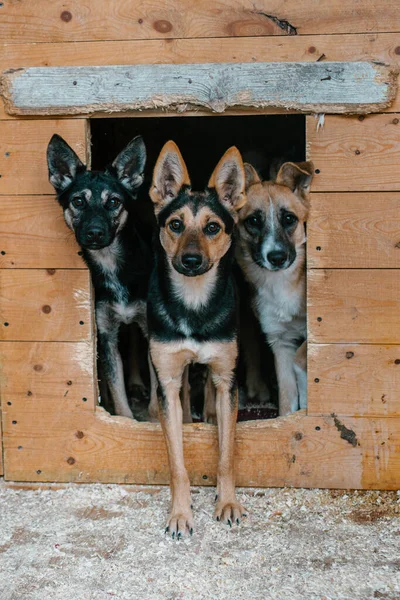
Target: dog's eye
[
  {"x": 212, "y": 228},
  {"x": 78, "y": 202},
  {"x": 254, "y": 221},
  {"x": 113, "y": 203},
  {"x": 289, "y": 219},
  {"x": 176, "y": 225}
]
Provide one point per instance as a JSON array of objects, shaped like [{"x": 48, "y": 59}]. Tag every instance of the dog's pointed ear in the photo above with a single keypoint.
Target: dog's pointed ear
[
  {"x": 252, "y": 176},
  {"x": 129, "y": 164},
  {"x": 229, "y": 180},
  {"x": 297, "y": 177},
  {"x": 63, "y": 163},
  {"x": 170, "y": 174}
]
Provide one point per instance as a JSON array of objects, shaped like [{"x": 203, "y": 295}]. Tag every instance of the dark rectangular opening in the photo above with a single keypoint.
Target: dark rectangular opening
[{"x": 261, "y": 139}]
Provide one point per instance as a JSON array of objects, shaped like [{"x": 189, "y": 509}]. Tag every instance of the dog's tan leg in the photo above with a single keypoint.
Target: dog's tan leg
[
  {"x": 153, "y": 406},
  {"x": 185, "y": 397},
  {"x": 136, "y": 387},
  {"x": 288, "y": 393},
  {"x": 169, "y": 369},
  {"x": 210, "y": 409},
  {"x": 228, "y": 510},
  {"x": 300, "y": 367}
]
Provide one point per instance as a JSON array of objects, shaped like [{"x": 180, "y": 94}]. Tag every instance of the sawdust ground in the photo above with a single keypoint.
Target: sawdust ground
[{"x": 102, "y": 542}]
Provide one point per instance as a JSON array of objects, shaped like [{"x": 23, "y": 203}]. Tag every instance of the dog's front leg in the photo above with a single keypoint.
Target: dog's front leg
[
  {"x": 112, "y": 367},
  {"x": 284, "y": 363},
  {"x": 228, "y": 509},
  {"x": 300, "y": 367},
  {"x": 209, "y": 410},
  {"x": 169, "y": 370},
  {"x": 136, "y": 388}
]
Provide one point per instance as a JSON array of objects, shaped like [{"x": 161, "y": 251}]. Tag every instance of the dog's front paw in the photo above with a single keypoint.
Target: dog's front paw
[
  {"x": 180, "y": 523},
  {"x": 229, "y": 512}
]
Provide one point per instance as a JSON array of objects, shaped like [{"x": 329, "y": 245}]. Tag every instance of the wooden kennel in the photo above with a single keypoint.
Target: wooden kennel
[{"x": 52, "y": 429}]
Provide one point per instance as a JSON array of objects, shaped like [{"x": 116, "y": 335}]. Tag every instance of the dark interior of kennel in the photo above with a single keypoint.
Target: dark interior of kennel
[{"x": 202, "y": 140}]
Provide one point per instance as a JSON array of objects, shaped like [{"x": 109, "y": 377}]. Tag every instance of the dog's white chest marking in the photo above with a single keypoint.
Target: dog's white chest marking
[
  {"x": 280, "y": 305},
  {"x": 111, "y": 314},
  {"x": 127, "y": 313}
]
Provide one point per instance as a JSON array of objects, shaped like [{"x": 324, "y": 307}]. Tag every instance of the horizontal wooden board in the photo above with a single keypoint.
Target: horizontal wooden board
[
  {"x": 355, "y": 153},
  {"x": 296, "y": 451},
  {"x": 329, "y": 87},
  {"x": 383, "y": 47},
  {"x": 47, "y": 376},
  {"x": 45, "y": 305},
  {"x": 353, "y": 379},
  {"x": 41, "y": 21},
  {"x": 358, "y": 230},
  {"x": 33, "y": 234},
  {"x": 380, "y": 47},
  {"x": 23, "y": 166},
  {"x": 352, "y": 305}
]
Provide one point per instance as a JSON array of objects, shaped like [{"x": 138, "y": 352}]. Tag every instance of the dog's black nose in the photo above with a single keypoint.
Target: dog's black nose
[
  {"x": 277, "y": 258},
  {"x": 95, "y": 234},
  {"x": 192, "y": 261}
]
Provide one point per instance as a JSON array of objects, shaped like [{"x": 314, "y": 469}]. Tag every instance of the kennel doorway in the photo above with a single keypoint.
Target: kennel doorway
[
  {"x": 53, "y": 429},
  {"x": 262, "y": 140}
]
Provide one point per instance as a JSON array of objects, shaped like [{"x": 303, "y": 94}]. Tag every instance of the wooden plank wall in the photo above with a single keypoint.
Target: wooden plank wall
[
  {"x": 50, "y": 427},
  {"x": 46, "y": 319},
  {"x": 353, "y": 259}
]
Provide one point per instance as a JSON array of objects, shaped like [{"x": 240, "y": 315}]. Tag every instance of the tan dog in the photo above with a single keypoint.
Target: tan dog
[
  {"x": 192, "y": 313},
  {"x": 271, "y": 253}
]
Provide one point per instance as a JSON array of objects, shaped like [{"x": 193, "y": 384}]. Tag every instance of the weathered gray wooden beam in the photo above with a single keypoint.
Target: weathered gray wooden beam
[{"x": 328, "y": 87}]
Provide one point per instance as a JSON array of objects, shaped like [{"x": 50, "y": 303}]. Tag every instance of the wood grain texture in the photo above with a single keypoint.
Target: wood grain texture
[
  {"x": 379, "y": 47},
  {"x": 354, "y": 379},
  {"x": 358, "y": 230},
  {"x": 355, "y": 153},
  {"x": 320, "y": 87},
  {"x": 41, "y": 21},
  {"x": 45, "y": 305},
  {"x": 307, "y": 48},
  {"x": 33, "y": 234},
  {"x": 295, "y": 451},
  {"x": 351, "y": 305},
  {"x": 55, "y": 376},
  {"x": 23, "y": 166}
]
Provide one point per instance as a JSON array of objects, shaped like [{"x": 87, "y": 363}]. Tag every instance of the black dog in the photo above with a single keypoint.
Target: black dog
[{"x": 98, "y": 208}]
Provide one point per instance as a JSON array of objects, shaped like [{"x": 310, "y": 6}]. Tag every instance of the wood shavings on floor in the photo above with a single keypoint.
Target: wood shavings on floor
[{"x": 102, "y": 542}]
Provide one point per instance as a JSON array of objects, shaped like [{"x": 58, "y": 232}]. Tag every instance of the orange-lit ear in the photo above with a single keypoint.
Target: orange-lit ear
[
  {"x": 229, "y": 180},
  {"x": 252, "y": 176},
  {"x": 297, "y": 177},
  {"x": 170, "y": 174}
]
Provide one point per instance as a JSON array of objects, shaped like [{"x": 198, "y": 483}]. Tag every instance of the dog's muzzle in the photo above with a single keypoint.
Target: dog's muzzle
[{"x": 190, "y": 265}]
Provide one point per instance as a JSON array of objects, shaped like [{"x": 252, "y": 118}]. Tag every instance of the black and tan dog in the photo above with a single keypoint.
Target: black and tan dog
[
  {"x": 192, "y": 313},
  {"x": 271, "y": 253},
  {"x": 98, "y": 208}
]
